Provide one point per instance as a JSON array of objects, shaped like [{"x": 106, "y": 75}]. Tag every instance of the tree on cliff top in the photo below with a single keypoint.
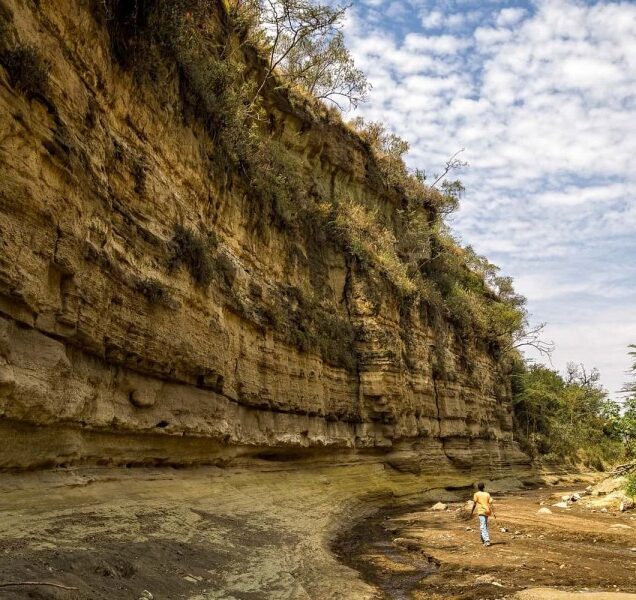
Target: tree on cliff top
[{"x": 305, "y": 47}]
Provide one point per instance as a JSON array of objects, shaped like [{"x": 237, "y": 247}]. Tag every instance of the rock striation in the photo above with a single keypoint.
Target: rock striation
[{"x": 112, "y": 351}]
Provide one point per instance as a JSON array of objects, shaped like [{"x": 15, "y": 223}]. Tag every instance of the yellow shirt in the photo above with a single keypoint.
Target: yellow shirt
[{"x": 483, "y": 501}]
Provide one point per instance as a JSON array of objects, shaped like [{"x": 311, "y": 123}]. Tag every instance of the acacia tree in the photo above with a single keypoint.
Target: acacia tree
[{"x": 305, "y": 47}]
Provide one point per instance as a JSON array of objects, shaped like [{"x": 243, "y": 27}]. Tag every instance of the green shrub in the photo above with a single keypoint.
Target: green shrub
[
  {"x": 568, "y": 418},
  {"x": 630, "y": 485},
  {"x": 154, "y": 291},
  {"x": 28, "y": 72},
  {"x": 190, "y": 249}
]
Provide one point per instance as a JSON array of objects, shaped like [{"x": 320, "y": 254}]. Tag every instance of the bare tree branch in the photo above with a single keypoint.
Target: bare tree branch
[
  {"x": 531, "y": 338},
  {"x": 452, "y": 163},
  {"x": 46, "y": 583}
]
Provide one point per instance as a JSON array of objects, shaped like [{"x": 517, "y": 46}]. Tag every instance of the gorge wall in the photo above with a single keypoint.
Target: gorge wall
[{"x": 114, "y": 349}]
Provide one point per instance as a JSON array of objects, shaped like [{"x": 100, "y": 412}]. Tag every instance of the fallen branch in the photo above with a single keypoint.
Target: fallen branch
[{"x": 56, "y": 585}]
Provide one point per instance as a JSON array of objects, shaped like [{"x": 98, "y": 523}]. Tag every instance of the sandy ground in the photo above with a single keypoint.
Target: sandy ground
[
  {"x": 201, "y": 534},
  {"x": 215, "y": 534},
  {"x": 432, "y": 555}
]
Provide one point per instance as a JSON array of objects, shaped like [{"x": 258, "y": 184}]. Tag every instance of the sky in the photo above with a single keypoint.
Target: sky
[{"x": 542, "y": 96}]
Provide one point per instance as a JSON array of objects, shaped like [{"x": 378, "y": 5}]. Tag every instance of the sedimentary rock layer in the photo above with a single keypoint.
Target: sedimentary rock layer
[{"x": 110, "y": 352}]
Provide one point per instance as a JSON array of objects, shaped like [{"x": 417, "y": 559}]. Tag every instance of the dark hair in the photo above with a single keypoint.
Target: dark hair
[{"x": 481, "y": 486}]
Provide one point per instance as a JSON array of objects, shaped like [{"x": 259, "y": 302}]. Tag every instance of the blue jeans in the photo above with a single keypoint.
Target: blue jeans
[{"x": 483, "y": 528}]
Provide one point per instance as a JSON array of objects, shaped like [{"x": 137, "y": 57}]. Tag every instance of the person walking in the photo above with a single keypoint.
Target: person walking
[{"x": 482, "y": 501}]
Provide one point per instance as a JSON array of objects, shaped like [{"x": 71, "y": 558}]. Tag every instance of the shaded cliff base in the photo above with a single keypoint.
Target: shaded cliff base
[
  {"x": 61, "y": 406},
  {"x": 204, "y": 533}
]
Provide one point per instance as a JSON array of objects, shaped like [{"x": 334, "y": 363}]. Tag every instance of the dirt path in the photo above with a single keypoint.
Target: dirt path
[{"x": 430, "y": 555}]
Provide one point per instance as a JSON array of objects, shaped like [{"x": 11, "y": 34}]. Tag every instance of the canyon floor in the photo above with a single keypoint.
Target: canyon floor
[
  {"x": 426, "y": 554},
  {"x": 294, "y": 533}
]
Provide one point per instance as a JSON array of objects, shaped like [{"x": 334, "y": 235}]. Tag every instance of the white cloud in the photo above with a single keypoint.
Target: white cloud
[
  {"x": 510, "y": 16},
  {"x": 433, "y": 19},
  {"x": 544, "y": 100}
]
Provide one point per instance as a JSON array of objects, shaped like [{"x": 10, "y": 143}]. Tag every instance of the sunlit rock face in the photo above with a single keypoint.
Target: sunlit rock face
[{"x": 111, "y": 350}]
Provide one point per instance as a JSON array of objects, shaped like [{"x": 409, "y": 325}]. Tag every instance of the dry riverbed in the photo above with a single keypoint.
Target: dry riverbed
[
  {"x": 424, "y": 554},
  {"x": 220, "y": 534}
]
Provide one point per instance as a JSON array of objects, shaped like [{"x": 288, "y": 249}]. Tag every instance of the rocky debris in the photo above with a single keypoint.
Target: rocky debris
[
  {"x": 503, "y": 529},
  {"x": 625, "y": 469},
  {"x": 408, "y": 544},
  {"x": 439, "y": 506},
  {"x": 561, "y": 505},
  {"x": 626, "y": 504},
  {"x": 607, "y": 486},
  {"x": 487, "y": 580},
  {"x": 544, "y": 511},
  {"x": 146, "y": 595}
]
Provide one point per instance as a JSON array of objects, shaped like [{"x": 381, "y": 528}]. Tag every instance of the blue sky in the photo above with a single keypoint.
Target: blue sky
[{"x": 542, "y": 96}]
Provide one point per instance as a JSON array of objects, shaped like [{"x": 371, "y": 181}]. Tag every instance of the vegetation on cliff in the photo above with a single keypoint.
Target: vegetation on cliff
[{"x": 241, "y": 68}]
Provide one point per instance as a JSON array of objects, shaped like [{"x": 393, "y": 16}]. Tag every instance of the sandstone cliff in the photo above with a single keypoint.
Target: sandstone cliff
[{"x": 154, "y": 310}]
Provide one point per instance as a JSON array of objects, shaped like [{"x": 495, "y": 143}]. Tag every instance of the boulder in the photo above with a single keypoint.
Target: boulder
[
  {"x": 626, "y": 504},
  {"x": 561, "y": 505},
  {"x": 439, "y": 506},
  {"x": 544, "y": 511}
]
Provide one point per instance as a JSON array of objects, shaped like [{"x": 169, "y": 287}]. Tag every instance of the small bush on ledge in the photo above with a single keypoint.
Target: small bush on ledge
[
  {"x": 190, "y": 249},
  {"x": 28, "y": 72},
  {"x": 154, "y": 291}
]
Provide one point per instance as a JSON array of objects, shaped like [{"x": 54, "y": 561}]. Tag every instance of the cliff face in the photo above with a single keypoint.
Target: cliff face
[{"x": 151, "y": 311}]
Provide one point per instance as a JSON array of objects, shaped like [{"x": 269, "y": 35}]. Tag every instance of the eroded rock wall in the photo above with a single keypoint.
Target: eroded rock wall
[{"x": 109, "y": 353}]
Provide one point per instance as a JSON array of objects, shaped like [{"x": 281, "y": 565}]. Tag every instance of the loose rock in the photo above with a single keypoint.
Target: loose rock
[
  {"x": 544, "y": 511},
  {"x": 439, "y": 506},
  {"x": 484, "y": 579}
]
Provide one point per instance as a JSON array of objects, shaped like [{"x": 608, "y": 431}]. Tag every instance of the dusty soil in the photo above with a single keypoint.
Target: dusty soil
[
  {"x": 200, "y": 534},
  {"x": 424, "y": 554}
]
